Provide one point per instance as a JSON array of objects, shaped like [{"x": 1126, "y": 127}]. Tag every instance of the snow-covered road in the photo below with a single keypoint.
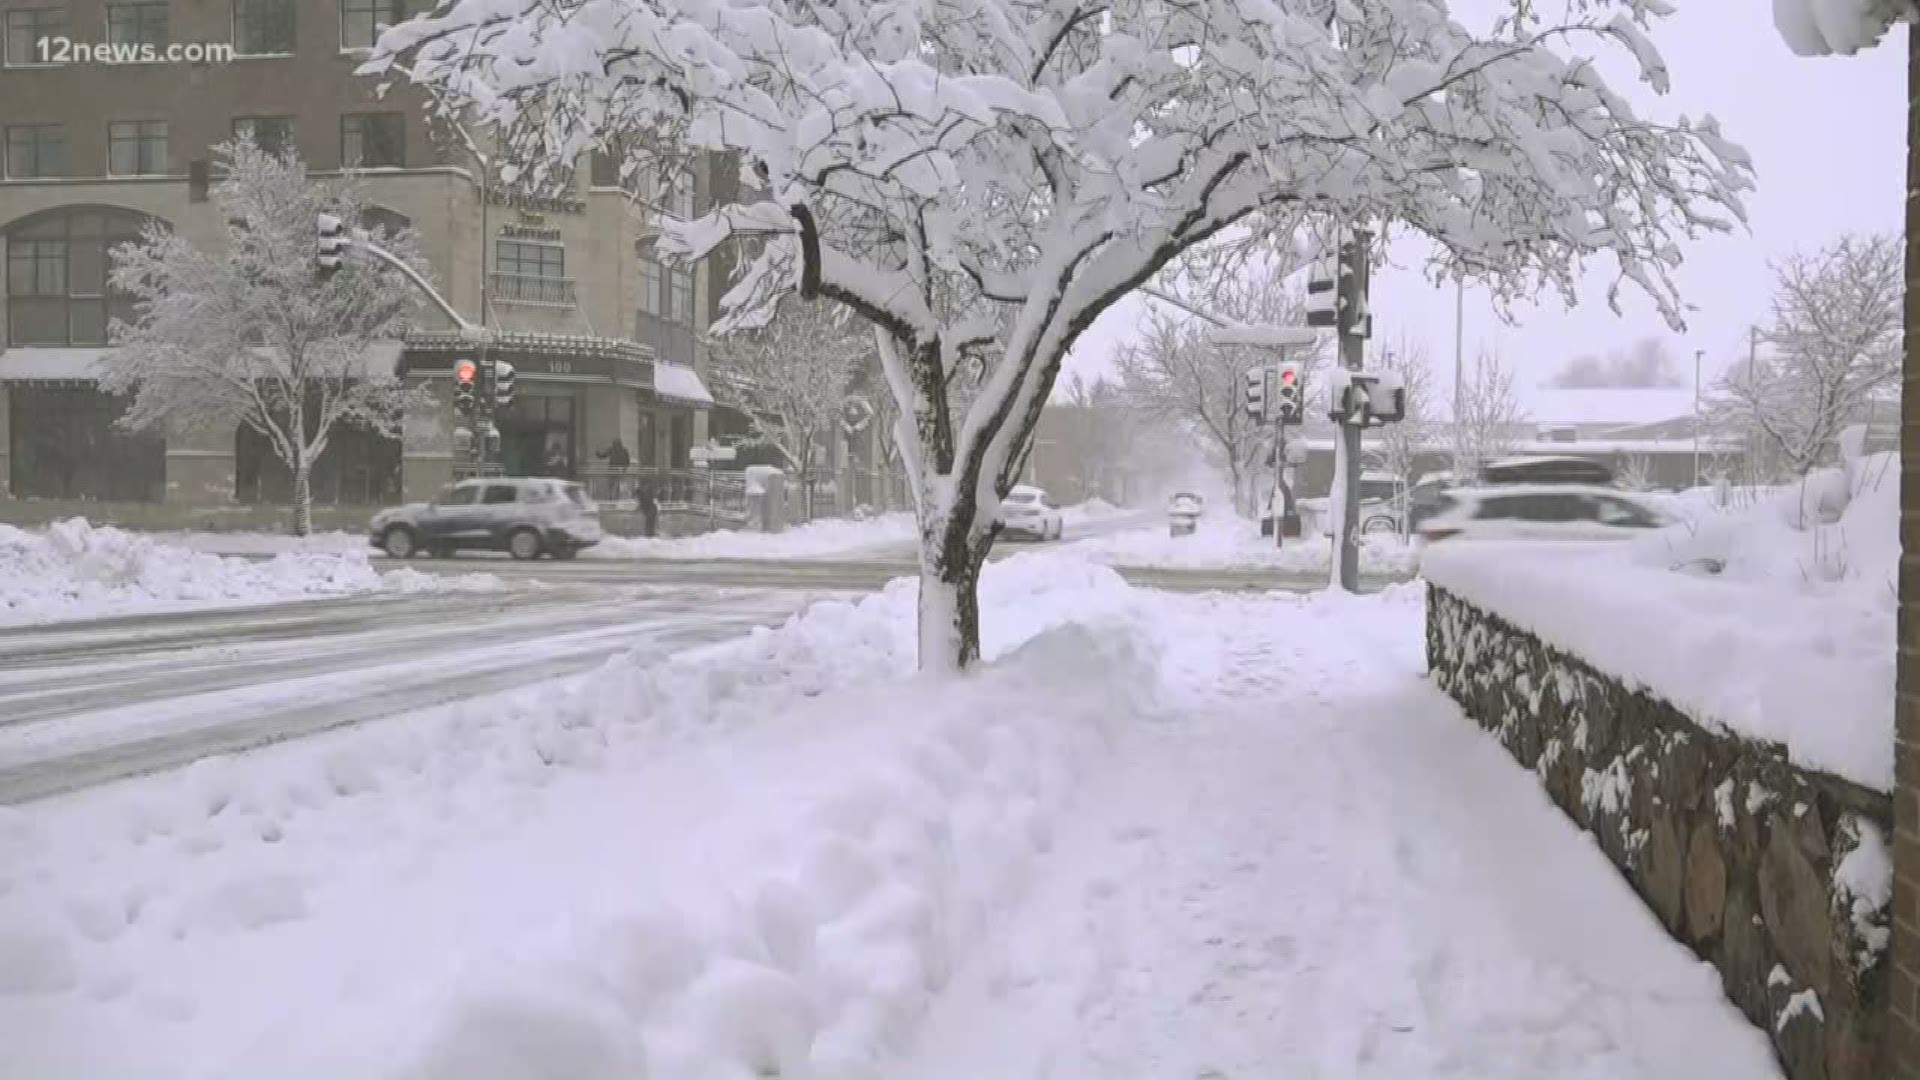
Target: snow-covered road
[{"x": 81, "y": 703}]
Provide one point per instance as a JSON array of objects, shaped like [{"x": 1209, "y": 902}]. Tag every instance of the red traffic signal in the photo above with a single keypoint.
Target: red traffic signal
[
  {"x": 465, "y": 372},
  {"x": 1288, "y": 376}
]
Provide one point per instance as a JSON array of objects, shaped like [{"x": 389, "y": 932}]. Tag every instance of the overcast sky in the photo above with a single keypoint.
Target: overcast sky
[{"x": 1828, "y": 137}]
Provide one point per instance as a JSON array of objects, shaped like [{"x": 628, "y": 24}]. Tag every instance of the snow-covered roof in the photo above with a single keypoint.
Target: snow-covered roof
[
  {"x": 678, "y": 382},
  {"x": 1826, "y": 27},
  {"x": 1627, "y": 408}
]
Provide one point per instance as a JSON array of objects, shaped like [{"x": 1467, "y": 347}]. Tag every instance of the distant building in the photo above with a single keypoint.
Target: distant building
[{"x": 607, "y": 340}]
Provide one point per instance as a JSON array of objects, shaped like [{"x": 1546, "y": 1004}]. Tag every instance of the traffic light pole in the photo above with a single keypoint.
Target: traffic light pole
[
  {"x": 1353, "y": 355},
  {"x": 1282, "y": 491}
]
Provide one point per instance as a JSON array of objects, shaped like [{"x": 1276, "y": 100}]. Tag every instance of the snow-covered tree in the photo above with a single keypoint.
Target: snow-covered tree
[
  {"x": 1400, "y": 444},
  {"x": 1175, "y": 372},
  {"x": 794, "y": 375},
  {"x": 1834, "y": 349},
  {"x": 1487, "y": 414},
  {"x": 1058, "y": 154},
  {"x": 1646, "y": 365},
  {"x": 249, "y": 334}
]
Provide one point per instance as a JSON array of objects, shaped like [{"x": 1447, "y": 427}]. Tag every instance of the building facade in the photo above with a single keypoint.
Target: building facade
[{"x": 606, "y": 339}]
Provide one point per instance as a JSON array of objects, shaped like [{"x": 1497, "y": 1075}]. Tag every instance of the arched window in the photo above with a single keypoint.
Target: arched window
[
  {"x": 58, "y": 263},
  {"x": 385, "y": 222}
]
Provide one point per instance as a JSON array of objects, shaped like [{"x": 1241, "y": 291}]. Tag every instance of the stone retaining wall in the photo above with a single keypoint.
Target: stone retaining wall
[{"x": 1746, "y": 858}]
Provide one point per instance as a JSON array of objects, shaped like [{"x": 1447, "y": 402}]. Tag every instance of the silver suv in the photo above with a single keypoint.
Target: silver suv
[{"x": 525, "y": 518}]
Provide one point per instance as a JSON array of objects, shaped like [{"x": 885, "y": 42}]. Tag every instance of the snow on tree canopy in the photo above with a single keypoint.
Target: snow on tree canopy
[
  {"x": 1826, "y": 27},
  {"x": 980, "y": 179}
]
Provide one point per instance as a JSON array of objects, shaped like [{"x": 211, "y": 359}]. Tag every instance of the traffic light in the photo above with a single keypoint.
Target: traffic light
[
  {"x": 1387, "y": 404},
  {"x": 502, "y": 384},
  {"x": 1257, "y": 393},
  {"x": 331, "y": 244},
  {"x": 1337, "y": 291},
  {"x": 1291, "y": 406},
  {"x": 462, "y": 443},
  {"x": 465, "y": 374},
  {"x": 1323, "y": 292}
]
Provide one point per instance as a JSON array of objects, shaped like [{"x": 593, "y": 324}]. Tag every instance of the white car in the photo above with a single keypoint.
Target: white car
[
  {"x": 1538, "y": 512},
  {"x": 1028, "y": 511}
]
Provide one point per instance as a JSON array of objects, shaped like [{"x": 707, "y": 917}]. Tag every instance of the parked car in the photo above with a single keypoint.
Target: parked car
[
  {"x": 525, "y": 518},
  {"x": 1028, "y": 512},
  {"x": 1539, "y": 512},
  {"x": 1183, "y": 513}
]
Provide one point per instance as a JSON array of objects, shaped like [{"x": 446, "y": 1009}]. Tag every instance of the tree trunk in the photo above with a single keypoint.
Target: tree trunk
[
  {"x": 302, "y": 497},
  {"x": 949, "y": 637}
]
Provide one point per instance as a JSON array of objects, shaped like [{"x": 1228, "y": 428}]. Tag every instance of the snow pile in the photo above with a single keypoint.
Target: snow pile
[
  {"x": 75, "y": 570},
  {"x": 259, "y": 543},
  {"x": 760, "y": 858},
  {"x": 1094, "y": 509},
  {"x": 1226, "y": 541},
  {"x": 1776, "y": 622},
  {"x": 825, "y": 537}
]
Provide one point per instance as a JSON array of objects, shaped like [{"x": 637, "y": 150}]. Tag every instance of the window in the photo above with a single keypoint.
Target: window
[
  {"x": 26, "y": 27},
  {"x": 680, "y": 296},
  {"x": 137, "y": 148},
  {"x": 1624, "y": 514},
  {"x": 143, "y": 23},
  {"x": 680, "y": 197},
  {"x": 384, "y": 223},
  {"x": 1543, "y": 507},
  {"x": 652, "y": 284},
  {"x": 273, "y": 134},
  {"x": 57, "y": 266},
  {"x": 362, "y": 20},
  {"x": 36, "y": 150},
  {"x": 530, "y": 259},
  {"x": 499, "y": 494},
  {"x": 263, "y": 27},
  {"x": 66, "y": 444},
  {"x": 373, "y": 140},
  {"x": 457, "y": 495}
]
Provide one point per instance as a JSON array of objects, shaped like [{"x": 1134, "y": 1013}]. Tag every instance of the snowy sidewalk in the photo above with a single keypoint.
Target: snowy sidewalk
[
  {"x": 1157, "y": 837},
  {"x": 1318, "y": 869}
]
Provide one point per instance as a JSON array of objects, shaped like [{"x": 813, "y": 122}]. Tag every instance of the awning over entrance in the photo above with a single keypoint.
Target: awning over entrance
[
  {"x": 32, "y": 363},
  {"x": 679, "y": 383},
  {"x": 36, "y": 364}
]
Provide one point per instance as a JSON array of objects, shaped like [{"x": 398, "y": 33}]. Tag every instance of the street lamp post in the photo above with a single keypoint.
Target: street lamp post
[
  {"x": 1698, "y": 354},
  {"x": 1459, "y": 372}
]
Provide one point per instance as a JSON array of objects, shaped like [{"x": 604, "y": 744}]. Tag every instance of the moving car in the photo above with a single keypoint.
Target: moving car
[
  {"x": 1028, "y": 512},
  {"x": 1538, "y": 512},
  {"x": 525, "y": 518}
]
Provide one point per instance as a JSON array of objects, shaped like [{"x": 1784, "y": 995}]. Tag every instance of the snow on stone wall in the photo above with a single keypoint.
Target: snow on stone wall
[{"x": 1775, "y": 874}]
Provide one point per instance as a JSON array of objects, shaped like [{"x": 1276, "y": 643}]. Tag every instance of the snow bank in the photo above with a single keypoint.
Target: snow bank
[
  {"x": 1775, "y": 622},
  {"x": 1225, "y": 541},
  {"x": 74, "y": 570},
  {"x": 759, "y": 858},
  {"x": 825, "y": 537}
]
